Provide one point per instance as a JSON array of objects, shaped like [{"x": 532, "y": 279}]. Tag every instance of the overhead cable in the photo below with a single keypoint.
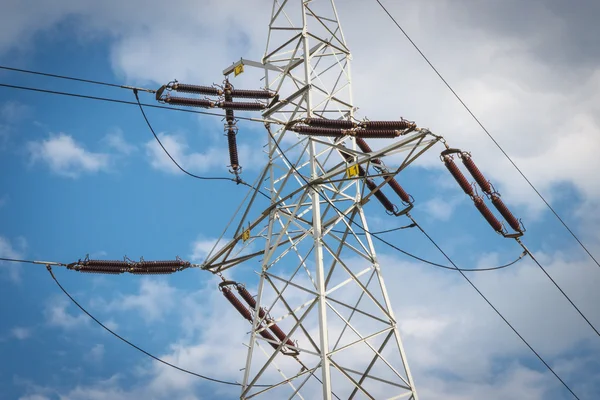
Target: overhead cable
[
  {"x": 490, "y": 136},
  {"x": 70, "y": 78},
  {"x": 135, "y": 346},
  {"x": 107, "y": 99},
  {"x": 236, "y": 180},
  {"x": 445, "y": 255},
  {"x": 493, "y": 307}
]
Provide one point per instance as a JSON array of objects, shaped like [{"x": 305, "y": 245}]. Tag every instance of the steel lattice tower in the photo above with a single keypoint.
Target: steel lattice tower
[{"x": 320, "y": 278}]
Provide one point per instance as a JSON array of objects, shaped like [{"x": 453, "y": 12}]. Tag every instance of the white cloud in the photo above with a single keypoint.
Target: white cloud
[
  {"x": 440, "y": 208},
  {"x": 96, "y": 353},
  {"x": 154, "y": 300},
  {"x": 66, "y": 157},
  {"x": 13, "y": 111},
  {"x": 34, "y": 397},
  {"x": 57, "y": 314},
  {"x": 544, "y": 115},
  {"x": 179, "y": 150},
  {"x": 21, "y": 333},
  {"x": 116, "y": 141},
  {"x": 8, "y": 250},
  {"x": 201, "y": 248}
]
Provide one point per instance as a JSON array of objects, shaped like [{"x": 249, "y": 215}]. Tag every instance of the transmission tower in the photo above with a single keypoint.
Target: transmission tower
[{"x": 321, "y": 291}]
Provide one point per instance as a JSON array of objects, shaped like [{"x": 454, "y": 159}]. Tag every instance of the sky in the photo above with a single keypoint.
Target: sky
[{"x": 83, "y": 177}]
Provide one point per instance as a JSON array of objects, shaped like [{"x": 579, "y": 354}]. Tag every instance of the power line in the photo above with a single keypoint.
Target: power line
[
  {"x": 238, "y": 181},
  {"x": 133, "y": 345},
  {"x": 107, "y": 99},
  {"x": 171, "y": 157},
  {"x": 70, "y": 78},
  {"x": 513, "y": 163},
  {"x": 491, "y": 305},
  {"x": 489, "y": 134},
  {"x": 435, "y": 244},
  {"x": 558, "y": 287}
]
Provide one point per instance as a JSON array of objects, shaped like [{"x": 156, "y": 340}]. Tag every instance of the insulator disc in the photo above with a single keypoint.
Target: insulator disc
[
  {"x": 108, "y": 269},
  {"x": 267, "y": 335},
  {"x": 112, "y": 263},
  {"x": 365, "y": 148},
  {"x": 233, "y": 151},
  {"x": 484, "y": 184},
  {"x": 209, "y": 90},
  {"x": 460, "y": 178},
  {"x": 237, "y": 304},
  {"x": 99, "y": 272},
  {"x": 161, "y": 263},
  {"x": 388, "y": 125},
  {"x": 508, "y": 216},
  {"x": 182, "y": 101},
  {"x": 329, "y": 123},
  {"x": 399, "y": 190},
  {"x": 231, "y": 105},
  {"x": 387, "y": 204},
  {"x": 252, "y": 94},
  {"x": 280, "y": 334},
  {"x": 487, "y": 214},
  {"x": 377, "y": 134},
  {"x": 314, "y": 131}
]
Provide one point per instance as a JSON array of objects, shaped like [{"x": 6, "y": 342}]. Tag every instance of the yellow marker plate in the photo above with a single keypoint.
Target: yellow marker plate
[{"x": 238, "y": 69}]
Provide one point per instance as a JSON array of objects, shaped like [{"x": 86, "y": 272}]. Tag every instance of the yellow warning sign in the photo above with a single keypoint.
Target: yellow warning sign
[
  {"x": 246, "y": 235},
  {"x": 352, "y": 171},
  {"x": 238, "y": 69}
]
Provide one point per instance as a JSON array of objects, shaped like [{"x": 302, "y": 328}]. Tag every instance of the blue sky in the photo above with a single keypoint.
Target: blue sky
[{"x": 83, "y": 177}]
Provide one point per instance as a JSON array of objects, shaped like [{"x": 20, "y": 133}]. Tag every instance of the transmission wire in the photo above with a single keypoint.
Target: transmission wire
[
  {"x": 490, "y": 135},
  {"x": 491, "y": 305},
  {"x": 557, "y": 286},
  {"x": 133, "y": 345},
  {"x": 70, "y": 78},
  {"x": 107, "y": 99},
  {"x": 516, "y": 167},
  {"x": 238, "y": 181},
  {"x": 435, "y": 244}
]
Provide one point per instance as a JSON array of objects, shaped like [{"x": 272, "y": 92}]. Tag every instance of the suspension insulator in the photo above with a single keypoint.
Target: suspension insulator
[
  {"x": 153, "y": 271},
  {"x": 388, "y": 125},
  {"x": 508, "y": 216},
  {"x": 245, "y": 294},
  {"x": 399, "y": 190},
  {"x": 387, "y": 204},
  {"x": 111, "y": 263},
  {"x": 281, "y": 335},
  {"x": 231, "y": 105},
  {"x": 237, "y": 304},
  {"x": 365, "y": 148},
  {"x": 460, "y": 178},
  {"x": 209, "y": 90},
  {"x": 162, "y": 264},
  {"x": 252, "y": 94},
  {"x": 267, "y": 335},
  {"x": 487, "y": 214},
  {"x": 484, "y": 184},
  {"x": 314, "y": 131},
  {"x": 183, "y": 101},
  {"x": 101, "y": 269},
  {"x": 233, "y": 151},
  {"x": 329, "y": 123},
  {"x": 229, "y": 113},
  {"x": 86, "y": 271},
  {"x": 376, "y": 134}
]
